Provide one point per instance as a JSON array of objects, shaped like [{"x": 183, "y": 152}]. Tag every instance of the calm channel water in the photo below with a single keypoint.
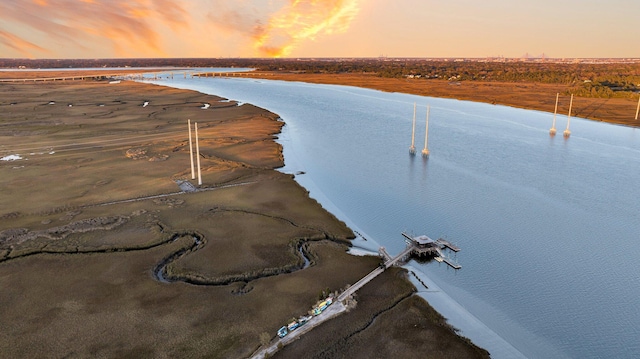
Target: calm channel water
[{"x": 548, "y": 227}]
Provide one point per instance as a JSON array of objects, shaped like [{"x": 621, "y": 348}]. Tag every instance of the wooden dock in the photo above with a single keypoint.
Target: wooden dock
[
  {"x": 424, "y": 246},
  {"x": 452, "y": 264},
  {"x": 448, "y": 245},
  {"x": 421, "y": 245}
]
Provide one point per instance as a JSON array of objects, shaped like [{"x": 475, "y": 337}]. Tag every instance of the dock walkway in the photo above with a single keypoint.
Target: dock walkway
[{"x": 420, "y": 245}]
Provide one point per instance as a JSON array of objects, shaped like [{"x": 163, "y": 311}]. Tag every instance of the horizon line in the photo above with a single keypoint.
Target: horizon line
[{"x": 323, "y": 57}]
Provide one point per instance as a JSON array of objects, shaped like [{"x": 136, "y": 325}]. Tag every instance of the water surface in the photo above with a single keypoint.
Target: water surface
[{"x": 548, "y": 226}]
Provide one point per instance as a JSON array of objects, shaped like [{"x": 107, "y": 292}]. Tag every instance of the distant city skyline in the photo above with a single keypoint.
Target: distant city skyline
[{"x": 318, "y": 28}]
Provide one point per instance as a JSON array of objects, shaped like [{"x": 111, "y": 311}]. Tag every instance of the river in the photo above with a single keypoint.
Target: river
[{"x": 548, "y": 226}]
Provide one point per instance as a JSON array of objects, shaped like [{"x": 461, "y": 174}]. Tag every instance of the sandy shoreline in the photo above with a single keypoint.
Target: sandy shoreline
[{"x": 72, "y": 271}]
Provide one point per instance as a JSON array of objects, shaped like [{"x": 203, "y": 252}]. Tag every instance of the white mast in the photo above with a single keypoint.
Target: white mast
[
  {"x": 198, "y": 156},
  {"x": 193, "y": 172},
  {"x": 552, "y": 131},
  {"x": 638, "y": 109},
  {"x": 412, "y": 149},
  {"x": 425, "y": 151},
  {"x": 566, "y": 132}
]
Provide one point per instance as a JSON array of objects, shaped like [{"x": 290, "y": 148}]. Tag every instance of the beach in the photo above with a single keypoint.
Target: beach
[{"x": 103, "y": 254}]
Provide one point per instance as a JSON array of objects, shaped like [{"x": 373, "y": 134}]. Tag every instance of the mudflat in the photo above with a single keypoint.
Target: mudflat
[{"x": 103, "y": 255}]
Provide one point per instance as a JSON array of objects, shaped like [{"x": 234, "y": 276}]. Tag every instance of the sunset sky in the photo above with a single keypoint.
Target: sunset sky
[{"x": 318, "y": 28}]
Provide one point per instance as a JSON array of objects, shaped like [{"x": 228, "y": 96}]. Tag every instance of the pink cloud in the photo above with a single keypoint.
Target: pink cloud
[
  {"x": 139, "y": 27},
  {"x": 130, "y": 26},
  {"x": 277, "y": 32},
  {"x": 18, "y": 44}
]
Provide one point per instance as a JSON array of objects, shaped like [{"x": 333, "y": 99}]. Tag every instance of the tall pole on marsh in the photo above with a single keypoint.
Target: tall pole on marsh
[
  {"x": 193, "y": 172},
  {"x": 638, "y": 109},
  {"x": 198, "y": 157}
]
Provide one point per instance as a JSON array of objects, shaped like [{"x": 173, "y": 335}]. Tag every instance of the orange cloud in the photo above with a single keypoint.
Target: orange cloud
[
  {"x": 130, "y": 26},
  {"x": 304, "y": 20},
  {"x": 19, "y": 44},
  {"x": 277, "y": 33}
]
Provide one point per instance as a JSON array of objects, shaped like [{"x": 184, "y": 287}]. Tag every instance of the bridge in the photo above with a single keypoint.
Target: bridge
[
  {"x": 376, "y": 272},
  {"x": 232, "y": 74},
  {"x": 77, "y": 75},
  {"x": 155, "y": 74}
]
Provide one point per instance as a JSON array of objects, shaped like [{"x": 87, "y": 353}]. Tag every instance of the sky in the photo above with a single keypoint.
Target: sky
[{"x": 319, "y": 28}]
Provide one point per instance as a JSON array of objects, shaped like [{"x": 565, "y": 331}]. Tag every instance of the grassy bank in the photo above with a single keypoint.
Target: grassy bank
[{"x": 532, "y": 96}]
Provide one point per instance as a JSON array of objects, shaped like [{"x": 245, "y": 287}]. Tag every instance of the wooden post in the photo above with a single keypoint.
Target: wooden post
[{"x": 638, "y": 109}]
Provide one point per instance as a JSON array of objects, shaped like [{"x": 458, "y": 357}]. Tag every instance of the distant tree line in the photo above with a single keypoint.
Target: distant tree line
[{"x": 616, "y": 79}]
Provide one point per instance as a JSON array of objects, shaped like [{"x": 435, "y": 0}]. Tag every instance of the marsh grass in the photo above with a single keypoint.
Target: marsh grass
[
  {"x": 75, "y": 283},
  {"x": 80, "y": 238}
]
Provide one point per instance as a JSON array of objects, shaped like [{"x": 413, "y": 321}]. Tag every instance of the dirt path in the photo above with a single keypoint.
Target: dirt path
[
  {"x": 333, "y": 311},
  {"x": 185, "y": 189}
]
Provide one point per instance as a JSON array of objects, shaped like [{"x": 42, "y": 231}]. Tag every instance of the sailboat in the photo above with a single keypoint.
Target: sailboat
[
  {"x": 566, "y": 132},
  {"x": 425, "y": 151},
  {"x": 552, "y": 131},
  {"x": 412, "y": 149}
]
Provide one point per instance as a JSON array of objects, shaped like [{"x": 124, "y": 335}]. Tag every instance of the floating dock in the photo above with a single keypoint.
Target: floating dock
[
  {"x": 451, "y": 263},
  {"x": 420, "y": 246},
  {"x": 448, "y": 245}
]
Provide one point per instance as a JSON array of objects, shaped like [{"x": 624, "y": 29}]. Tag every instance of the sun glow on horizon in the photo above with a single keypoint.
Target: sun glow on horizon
[
  {"x": 304, "y": 20},
  {"x": 314, "y": 28},
  {"x": 138, "y": 27}
]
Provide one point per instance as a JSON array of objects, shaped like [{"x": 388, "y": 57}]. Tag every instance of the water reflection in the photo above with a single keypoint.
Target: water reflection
[{"x": 548, "y": 230}]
